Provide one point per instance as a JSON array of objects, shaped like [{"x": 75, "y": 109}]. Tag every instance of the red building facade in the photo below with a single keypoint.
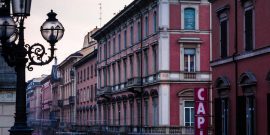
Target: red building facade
[
  {"x": 240, "y": 73},
  {"x": 151, "y": 56}
]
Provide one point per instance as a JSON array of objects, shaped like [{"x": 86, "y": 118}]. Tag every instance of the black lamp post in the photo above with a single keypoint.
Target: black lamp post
[{"x": 20, "y": 55}]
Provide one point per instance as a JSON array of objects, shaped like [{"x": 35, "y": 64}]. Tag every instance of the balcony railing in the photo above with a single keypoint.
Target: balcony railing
[
  {"x": 133, "y": 82},
  {"x": 105, "y": 91},
  {"x": 184, "y": 76},
  {"x": 135, "y": 130}
]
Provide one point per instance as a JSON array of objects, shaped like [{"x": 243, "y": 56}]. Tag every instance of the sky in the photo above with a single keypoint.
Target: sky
[{"x": 77, "y": 16}]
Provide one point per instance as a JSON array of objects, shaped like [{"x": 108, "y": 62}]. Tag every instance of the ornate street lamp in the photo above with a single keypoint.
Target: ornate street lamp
[{"x": 20, "y": 55}]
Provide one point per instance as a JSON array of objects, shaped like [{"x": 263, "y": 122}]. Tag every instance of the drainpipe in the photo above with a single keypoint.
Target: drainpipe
[{"x": 234, "y": 56}]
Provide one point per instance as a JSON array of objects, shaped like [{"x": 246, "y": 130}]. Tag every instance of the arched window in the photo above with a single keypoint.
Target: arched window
[{"x": 189, "y": 19}]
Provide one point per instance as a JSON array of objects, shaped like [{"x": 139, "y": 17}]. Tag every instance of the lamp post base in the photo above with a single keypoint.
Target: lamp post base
[{"x": 20, "y": 130}]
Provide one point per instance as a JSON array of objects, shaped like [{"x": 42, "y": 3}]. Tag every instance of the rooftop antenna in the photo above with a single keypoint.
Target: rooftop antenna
[{"x": 100, "y": 13}]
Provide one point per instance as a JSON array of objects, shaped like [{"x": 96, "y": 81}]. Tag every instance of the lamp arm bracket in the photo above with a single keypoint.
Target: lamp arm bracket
[{"x": 37, "y": 55}]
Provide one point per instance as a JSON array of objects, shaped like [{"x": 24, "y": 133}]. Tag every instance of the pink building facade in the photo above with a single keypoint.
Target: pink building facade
[
  {"x": 151, "y": 56},
  {"x": 240, "y": 69}
]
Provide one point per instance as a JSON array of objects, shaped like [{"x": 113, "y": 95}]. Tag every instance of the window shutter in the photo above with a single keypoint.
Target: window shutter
[
  {"x": 241, "y": 115},
  {"x": 218, "y": 128}
]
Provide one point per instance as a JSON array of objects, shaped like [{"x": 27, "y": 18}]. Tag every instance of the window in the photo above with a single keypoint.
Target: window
[
  {"x": 146, "y": 112},
  {"x": 95, "y": 90},
  {"x": 92, "y": 93},
  {"x": 119, "y": 72},
  {"x": 109, "y": 115},
  {"x": 139, "y": 64},
  {"x": 189, "y": 113},
  {"x": 139, "y": 31},
  {"x": 146, "y": 27},
  {"x": 125, "y": 113},
  {"x": 249, "y": 29},
  {"x": 138, "y": 112},
  {"x": 119, "y": 42},
  {"x": 91, "y": 71},
  {"x": 95, "y": 69},
  {"x": 155, "y": 111},
  {"x": 131, "y": 112},
  {"x": 87, "y": 73},
  {"x": 189, "y": 59},
  {"x": 109, "y": 49},
  {"x": 146, "y": 62},
  {"x": 125, "y": 39},
  {"x": 109, "y": 76},
  {"x": 105, "y": 77},
  {"x": 114, "y": 46},
  {"x": 131, "y": 66},
  {"x": 125, "y": 69},
  {"x": 104, "y": 114},
  {"x": 119, "y": 113},
  {"x": 105, "y": 51},
  {"x": 155, "y": 22},
  {"x": 250, "y": 115},
  {"x": 100, "y": 53},
  {"x": 114, "y": 78},
  {"x": 99, "y": 80},
  {"x": 113, "y": 109},
  {"x": 131, "y": 35},
  {"x": 78, "y": 77},
  {"x": 224, "y": 116},
  {"x": 224, "y": 38},
  {"x": 155, "y": 66},
  {"x": 189, "y": 18}
]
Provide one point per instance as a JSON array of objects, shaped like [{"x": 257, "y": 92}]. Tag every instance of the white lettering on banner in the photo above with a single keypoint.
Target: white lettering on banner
[
  {"x": 201, "y": 121},
  {"x": 201, "y": 132},
  {"x": 201, "y": 109},
  {"x": 200, "y": 93}
]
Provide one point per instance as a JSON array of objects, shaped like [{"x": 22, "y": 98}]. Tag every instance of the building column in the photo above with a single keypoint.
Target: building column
[{"x": 164, "y": 104}]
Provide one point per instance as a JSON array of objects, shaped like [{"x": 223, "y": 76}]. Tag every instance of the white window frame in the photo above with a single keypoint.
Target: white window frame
[
  {"x": 197, "y": 55},
  {"x": 184, "y": 107}
]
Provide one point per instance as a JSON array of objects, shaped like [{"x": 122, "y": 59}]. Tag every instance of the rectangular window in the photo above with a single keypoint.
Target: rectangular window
[
  {"x": 146, "y": 27},
  {"x": 91, "y": 71},
  {"x": 189, "y": 18},
  {"x": 155, "y": 111},
  {"x": 119, "y": 42},
  {"x": 95, "y": 69},
  {"x": 155, "y": 22},
  {"x": 189, "y": 113},
  {"x": 92, "y": 93},
  {"x": 250, "y": 116},
  {"x": 119, "y": 72},
  {"x": 224, "y": 116},
  {"x": 155, "y": 66},
  {"x": 189, "y": 59},
  {"x": 109, "y": 49},
  {"x": 109, "y": 76},
  {"x": 125, "y": 69},
  {"x": 114, "y": 116},
  {"x": 78, "y": 77},
  {"x": 139, "y": 64},
  {"x": 105, "y": 51},
  {"x": 146, "y": 113},
  {"x": 99, "y": 80},
  {"x": 95, "y": 90},
  {"x": 131, "y": 35},
  {"x": 114, "y": 78},
  {"x": 223, "y": 38},
  {"x": 104, "y": 114},
  {"x": 105, "y": 77},
  {"x": 88, "y": 73},
  {"x": 119, "y": 113},
  {"x": 146, "y": 62},
  {"x": 109, "y": 115},
  {"x": 114, "y": 46},
  {"x": 131, "y": 66},
  {"x": 249, "y": 30},
  {"x": 139, "y": 31},
  {"x": 125, "y": 113},
  {"x": 125, "y": 39},
  {"x": 131, "y": 112},
  {"x": 138, "y": 112}
]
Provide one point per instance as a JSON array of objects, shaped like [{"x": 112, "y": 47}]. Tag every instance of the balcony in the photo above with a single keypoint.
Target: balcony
[
  {"x": 105, "y": 92},
  {"x": 71, "y": 100},
  {"x": 162, "y": 130},
  {"x": 134, "y": 82},
  {"x": 185, "y": 76},
  {"x": 60, "y": 103}
]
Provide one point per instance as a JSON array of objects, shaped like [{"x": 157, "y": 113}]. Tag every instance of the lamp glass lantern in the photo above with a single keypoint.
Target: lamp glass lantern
[
  {"x": 52, "y": 30},
  {"x": 7, "y": 27},
  {"x": 21, "y": 7}
]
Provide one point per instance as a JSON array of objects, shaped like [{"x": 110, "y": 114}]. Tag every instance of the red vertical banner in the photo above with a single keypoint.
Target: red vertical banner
[{"x": 201, "y": 111}]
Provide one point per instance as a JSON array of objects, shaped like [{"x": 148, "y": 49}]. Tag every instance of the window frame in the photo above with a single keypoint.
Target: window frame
[{"x": 248, "y": 6}]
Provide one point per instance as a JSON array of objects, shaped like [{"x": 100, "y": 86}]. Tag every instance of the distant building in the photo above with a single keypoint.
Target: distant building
[
  {"x": 241, "y": 70},
  {"x": 151, "y": 56},
  {"x": 7, "y": 96},
  {"x": 34, "y": 103}
]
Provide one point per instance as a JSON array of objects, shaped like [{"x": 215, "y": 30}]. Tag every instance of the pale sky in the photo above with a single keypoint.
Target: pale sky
[{"x": 77, "y": 16}]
